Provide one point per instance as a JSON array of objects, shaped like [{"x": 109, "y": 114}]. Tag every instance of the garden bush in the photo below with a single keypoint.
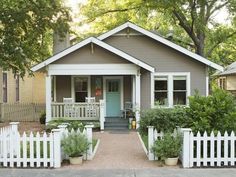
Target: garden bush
[
  {"x": 163, "y": 119},
  {"x": 75, "y": 124}
]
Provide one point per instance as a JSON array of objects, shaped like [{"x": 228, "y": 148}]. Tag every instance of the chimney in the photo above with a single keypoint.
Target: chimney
[{"x": 60, "y": 42}]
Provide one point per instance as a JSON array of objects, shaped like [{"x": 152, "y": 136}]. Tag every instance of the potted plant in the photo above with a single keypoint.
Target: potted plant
[
  {"x": 168, "y": 148},
  {"x": 75, "y": 145}
]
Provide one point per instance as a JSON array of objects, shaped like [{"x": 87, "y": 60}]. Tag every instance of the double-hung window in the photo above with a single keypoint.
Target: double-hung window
[
  {"x": 81, "y": 88},
  {"x": 171, "y": 89},
  {"x": 4, "y": 87},
  {"x": 222, "y": 82}
]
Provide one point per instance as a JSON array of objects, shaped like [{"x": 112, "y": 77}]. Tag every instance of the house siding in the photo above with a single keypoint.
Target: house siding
[
  {"x": 163, "y": 58},
  {"x": 63, "y": 87},
  {"x": 85, "y": 55},
  {"x": 145, "y": 90},
  {"x": 231, "y": 82},
  {"x": 127, "y": 89}
]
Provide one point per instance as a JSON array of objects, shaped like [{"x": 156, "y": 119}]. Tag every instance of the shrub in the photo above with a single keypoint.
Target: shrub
[
  {"x": 75, "y": 144},
  {"x": 42, "y": 118},
  {"x": 168, "y": 147},
  {"x": 75, "y": 124},
  {"x": 215, "y": 112},
  {"x": 163, "y": 119}
]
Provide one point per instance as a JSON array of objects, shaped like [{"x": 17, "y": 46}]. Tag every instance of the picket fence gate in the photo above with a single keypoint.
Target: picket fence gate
[
  {"x": 200, "y": 150},
  {"x": 35, "y": 150}
]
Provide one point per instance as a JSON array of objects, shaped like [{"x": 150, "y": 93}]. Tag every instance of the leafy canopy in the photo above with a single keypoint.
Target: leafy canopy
[{"x": 25, "y": 31}]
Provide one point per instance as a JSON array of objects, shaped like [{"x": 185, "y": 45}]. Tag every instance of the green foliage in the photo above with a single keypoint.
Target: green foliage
[
  {"x": 42, "y": 118},
  {"x": 26, "y": 30},
  {"x": 75, "y": 144},
  {"x": 215, "y": 112},
  {"x": 163, "y": 119},
  {"x": 75, "y": 124},
  {"x": 168, "y": 147}
]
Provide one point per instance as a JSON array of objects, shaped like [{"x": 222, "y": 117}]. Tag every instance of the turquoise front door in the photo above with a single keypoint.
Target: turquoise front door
[{"x": 113, "y": 98}]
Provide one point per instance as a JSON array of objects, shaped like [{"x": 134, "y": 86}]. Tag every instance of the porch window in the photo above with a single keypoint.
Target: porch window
[
  {"x": 81, "y": 88},
  {"x": 4, "y": 87},
  {"x": 180, "y": 90},
  {"x": 161, "y": 91}
]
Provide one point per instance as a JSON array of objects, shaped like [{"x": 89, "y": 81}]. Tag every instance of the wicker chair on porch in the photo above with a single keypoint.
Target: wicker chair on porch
[
  {"x": 128, "y": 108},
  {"x": 90, "y": 109}
]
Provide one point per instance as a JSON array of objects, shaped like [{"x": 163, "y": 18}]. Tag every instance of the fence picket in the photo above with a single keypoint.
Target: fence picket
[
  {"x": 232, "y": 148},
  {"x": 31, "y": 141},
  {"x": 11, "y": 153},
  {"x": 219, "y": 149},
  {"x": 226, "y": 149},
  {"x": 18, "y": 149},
  {"x": 205, "y": 149},
  {"x": 37, "y": 149},
  {"x": 212, "y": 147},
  {"x": 198, "y": 140},
  {"x": 24, "y": 142},
  {"x": 45, "y": 149},
  {"x": 191, "y": 149},
  {"x": 51, "y": 149}
]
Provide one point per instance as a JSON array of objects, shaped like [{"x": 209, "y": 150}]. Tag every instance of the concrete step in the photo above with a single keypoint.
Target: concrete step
[{"x": 116, "y": 120}]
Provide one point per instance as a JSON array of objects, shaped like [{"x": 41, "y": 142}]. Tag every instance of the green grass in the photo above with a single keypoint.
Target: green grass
[
  {"x": 145, "y": 140},
  {"x": 94, "y": 143}
]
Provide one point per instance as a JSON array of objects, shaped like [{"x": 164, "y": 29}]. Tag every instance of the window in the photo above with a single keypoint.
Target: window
[
  {"x": 113, "y": 86},
  {"x": 222, "y": 83},
  {"x": 171, "y": 89},
  {"x": 161, "y": 91},
  {"x": 17, "y": 88},
  {"x": 81, "y": 88},
  {"x": 179, "y": 90},
  {"x": 4, "y": 87}
]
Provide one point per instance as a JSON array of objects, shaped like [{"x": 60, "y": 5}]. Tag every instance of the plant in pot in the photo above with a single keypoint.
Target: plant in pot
[
  {"x": 75, "y": 145},
  {"x": 168, "y": 148}
]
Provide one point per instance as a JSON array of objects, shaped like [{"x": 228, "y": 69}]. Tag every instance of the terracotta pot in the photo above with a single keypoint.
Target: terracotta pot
[
  {"x": 76, "y": 160},
  {"x": 171, "y": 161}
]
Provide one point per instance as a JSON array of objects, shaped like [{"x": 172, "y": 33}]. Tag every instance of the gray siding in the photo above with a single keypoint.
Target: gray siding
[
  {"x": 145, "y": 90},
  {"x": 127, "y": 89},
  {"x": 163, "y": 58},
  {"x": 63, "y": 87},
  {"x": 85, "y": 55}
]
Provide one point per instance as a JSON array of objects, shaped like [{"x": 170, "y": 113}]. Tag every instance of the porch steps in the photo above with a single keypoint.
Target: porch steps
[{"x": 116, "y": 123}]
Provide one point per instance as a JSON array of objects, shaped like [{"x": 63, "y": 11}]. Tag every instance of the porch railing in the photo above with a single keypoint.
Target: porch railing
[{"x": 80, "y": 111}]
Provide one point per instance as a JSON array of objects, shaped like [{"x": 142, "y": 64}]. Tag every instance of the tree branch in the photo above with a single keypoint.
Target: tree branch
[{"x": 218, "y": 43}]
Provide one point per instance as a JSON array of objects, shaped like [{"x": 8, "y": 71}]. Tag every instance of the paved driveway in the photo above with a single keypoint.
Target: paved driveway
[{"x": 118, "y": 150}]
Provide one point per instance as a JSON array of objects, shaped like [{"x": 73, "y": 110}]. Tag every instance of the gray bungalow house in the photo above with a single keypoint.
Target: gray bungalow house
[{"x": 125, "y": 65}]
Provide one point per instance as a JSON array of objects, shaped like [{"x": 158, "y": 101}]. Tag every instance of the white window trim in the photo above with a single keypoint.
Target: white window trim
[
  {"x": 73, "y": 86},
  {"x": 121, "y": 78},
  {"x": 170, "y": 76}
]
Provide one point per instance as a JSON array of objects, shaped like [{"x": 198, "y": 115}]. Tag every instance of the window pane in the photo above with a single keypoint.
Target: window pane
[
  {"x": 4, "y": 87},
  {"x": 180, "y": 84},
  {"x": 81, "y": 88},
  {"x": 161, "y": 85},
  {"x": 113, "y": 86},
  {"x": 179, "y": 98},
  {"x": 161, "y": 98}
]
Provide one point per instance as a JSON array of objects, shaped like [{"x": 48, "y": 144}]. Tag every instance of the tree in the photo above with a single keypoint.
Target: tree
[
  {"x": 25, "y": 31},
  {"x": 192, "y": 18}
]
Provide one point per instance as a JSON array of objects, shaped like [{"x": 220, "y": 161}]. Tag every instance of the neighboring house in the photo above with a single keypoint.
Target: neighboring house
[
  {"x": 14, "y": 89},
  {"x": 227, "y": 79},
  {"x": 126, "y": 64}
]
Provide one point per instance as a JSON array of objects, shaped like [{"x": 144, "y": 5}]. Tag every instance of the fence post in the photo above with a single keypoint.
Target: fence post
[
  {"x": 57, "y": 147},
  {"x": 89, "y": 135},
  {"x": 150, "y": 142},
  {"x": 102, "y": 119},
  {"x": 185, "y": 148},
  {"x": 62, "y": 128},
  {"x": 14, "y": 132}
]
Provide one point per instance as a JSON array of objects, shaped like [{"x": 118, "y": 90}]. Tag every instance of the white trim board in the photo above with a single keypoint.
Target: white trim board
[
  {"x": 163, "y": 41},
  {"x": 99, "y": 43},
  {"x": 121, "y": 78}
]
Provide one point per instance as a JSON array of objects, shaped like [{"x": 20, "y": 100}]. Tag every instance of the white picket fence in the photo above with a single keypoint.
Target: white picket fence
[
  {"x": 201, "y": 150},
  {"x": 35, "y": 150}
]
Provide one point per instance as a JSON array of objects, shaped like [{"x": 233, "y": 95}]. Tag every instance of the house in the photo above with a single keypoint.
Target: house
[
  {"x": 17, "y": 90},
  {"x": 126, "y": 64},
  {"x": 227, "y": 79}
]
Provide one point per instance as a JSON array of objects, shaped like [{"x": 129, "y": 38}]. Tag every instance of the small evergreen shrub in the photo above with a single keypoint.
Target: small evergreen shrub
[
  {"x": 42, "y": 118},
  {"x": 168, "y": 147},
  {"x": 75, "y": 144}
]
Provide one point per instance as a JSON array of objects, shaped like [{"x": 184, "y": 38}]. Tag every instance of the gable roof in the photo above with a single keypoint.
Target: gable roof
[
  {"x": 230, "y": 69},
  {"x": 99, "y": 43},
  {"x": 163, "y": 41}
]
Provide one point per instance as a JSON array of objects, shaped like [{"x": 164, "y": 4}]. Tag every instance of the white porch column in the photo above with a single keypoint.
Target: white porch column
[
  {"x": 137, "y": 99},
  {"x": 48, "y": 98},
  {"x": 133, "y": 91}
]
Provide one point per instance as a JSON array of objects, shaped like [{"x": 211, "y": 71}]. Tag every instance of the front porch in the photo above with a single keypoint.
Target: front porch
[{"x": 111, "y": 89}]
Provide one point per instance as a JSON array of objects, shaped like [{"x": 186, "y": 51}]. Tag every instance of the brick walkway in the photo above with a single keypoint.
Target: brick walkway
[{"x": 118, "y": 151}]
